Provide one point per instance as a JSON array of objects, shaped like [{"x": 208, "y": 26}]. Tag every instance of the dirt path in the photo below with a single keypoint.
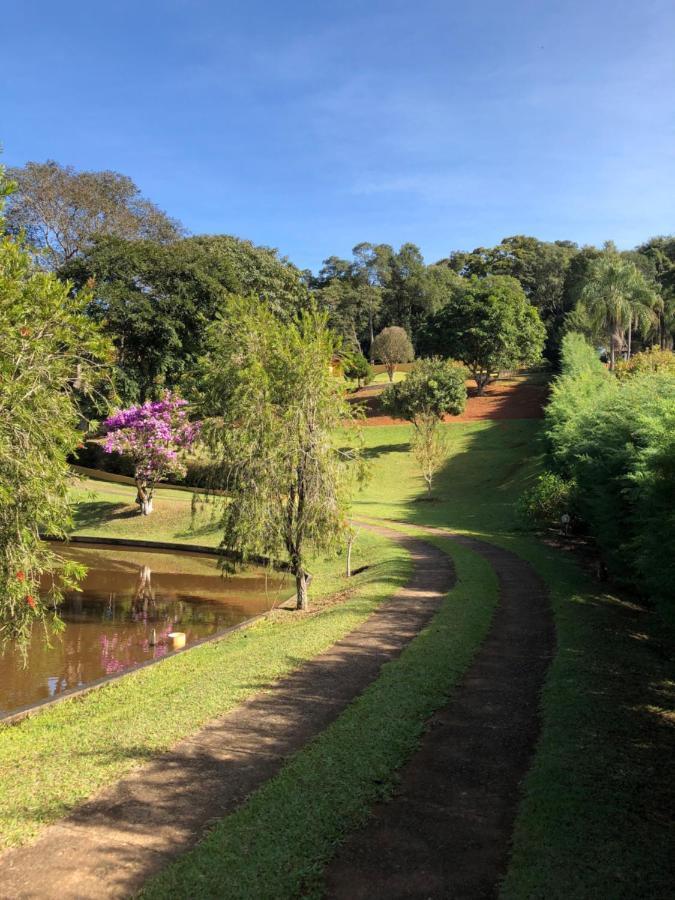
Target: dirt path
[
  {"x": 514, "y": 398},
  {"x": 447, "y": 831},
  {"x": 109, "y": 846}
]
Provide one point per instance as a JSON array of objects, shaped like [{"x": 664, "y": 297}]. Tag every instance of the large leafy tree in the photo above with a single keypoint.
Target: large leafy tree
[
  {"x": 51, "y": 355},
  {"x": 61, "y": 210},
  {"x": 541, "y": 268},
  {"x": 489, "y": 325},
  {"x": 615, "y": 298},
  {"x": 156, "y": 301},
  {"x": 392, "y": 347},
  {"x": 381, "y": 286},
  {"x": 433, "y": 389},
  {"x": 351, "y": 293},
  {"x": 257, "y": 270},
  {"x": 660, "y": 253},
  {"x": 273, "y": 411}
]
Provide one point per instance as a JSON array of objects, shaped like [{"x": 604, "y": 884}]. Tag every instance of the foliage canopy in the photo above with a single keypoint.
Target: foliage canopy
[
  {"x": 489, "y": 325},
  {"x": 273, "y": 413},
  {"x": 50, "y": 357},
  {"x": 61, "y": 210}
]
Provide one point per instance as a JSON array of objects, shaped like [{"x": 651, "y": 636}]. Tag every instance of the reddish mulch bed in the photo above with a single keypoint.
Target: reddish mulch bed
[{"x": 507, "y": 399}]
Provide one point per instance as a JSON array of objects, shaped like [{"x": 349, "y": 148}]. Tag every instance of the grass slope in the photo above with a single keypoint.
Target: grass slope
[
  {"x": 488, "y": 466},
  {"x": 105, "y": 509},
  {"x": 593, "y": 821},
  {"x": 596, "y": 817},
  {"x": 276, "y": 845},
  {"x": 61, "y": 756}
]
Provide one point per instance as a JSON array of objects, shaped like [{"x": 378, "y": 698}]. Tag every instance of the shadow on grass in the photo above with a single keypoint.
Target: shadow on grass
[
  {"x": 383, "y": 449},
  {"x": 490, "y": 465},
  {"x": 98, "y": 512}
]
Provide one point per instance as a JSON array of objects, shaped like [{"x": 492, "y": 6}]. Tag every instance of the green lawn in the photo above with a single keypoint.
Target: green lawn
[
  {"x": 276, "y": 844},
  {"x": 106, "y": 509},
  {"x": 593, "y": 821},
  {"x": 52, "y": 761},
  {"x": 489, "y": 464}
]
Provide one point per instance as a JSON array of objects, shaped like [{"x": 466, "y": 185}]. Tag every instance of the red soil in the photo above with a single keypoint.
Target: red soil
[{"x": 507, "y": 399}]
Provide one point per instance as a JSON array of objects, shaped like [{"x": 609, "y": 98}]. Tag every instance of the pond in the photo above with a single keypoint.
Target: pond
[{"x": 131, "y": 600}]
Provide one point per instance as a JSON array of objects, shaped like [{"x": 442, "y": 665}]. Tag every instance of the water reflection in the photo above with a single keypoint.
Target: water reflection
[{"x": 129, "y": 603}]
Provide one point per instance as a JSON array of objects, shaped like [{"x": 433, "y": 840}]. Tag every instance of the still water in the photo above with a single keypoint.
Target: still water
[{"x": 129, "y": 603}]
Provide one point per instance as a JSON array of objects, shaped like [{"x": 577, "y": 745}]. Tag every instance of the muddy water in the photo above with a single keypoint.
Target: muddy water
[{"x": 129, "y": 603}]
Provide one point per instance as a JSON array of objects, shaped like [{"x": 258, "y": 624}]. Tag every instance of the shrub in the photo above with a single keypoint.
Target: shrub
[
  {"x": 357, "y": 368},
  {"x": 652, "y": 360},
  {"x": 615, "y": 439},
  {"x": 434, "y": 388},
  {"x": 547, "y": 501}
]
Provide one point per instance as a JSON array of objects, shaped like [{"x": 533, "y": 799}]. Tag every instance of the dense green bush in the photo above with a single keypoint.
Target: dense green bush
[
  {"x": 357, "y": 368},
  {"x": 616, "y": 440},
  {"x": 547, "y": 500}
]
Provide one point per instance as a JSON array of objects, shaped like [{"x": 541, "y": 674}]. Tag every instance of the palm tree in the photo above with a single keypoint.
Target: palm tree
[{"x": 617, "y": 298}]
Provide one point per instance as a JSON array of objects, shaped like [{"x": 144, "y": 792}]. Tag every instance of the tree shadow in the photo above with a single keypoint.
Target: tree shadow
[
  {"x": 383, "y": 449},
  {"x": 97, "y": 512}
]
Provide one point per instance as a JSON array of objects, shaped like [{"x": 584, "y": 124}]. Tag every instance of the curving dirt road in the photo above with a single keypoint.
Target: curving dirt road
[
  {"x": 108, "y": 847},
  {"x": 447, "y": 831}
]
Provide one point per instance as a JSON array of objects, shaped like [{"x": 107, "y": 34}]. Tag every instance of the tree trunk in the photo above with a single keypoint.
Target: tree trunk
[
  {"x": 301, "y": 585},
  {"x": 144, "y": 497},
  {"x": 390, "y": 373},
  {"x": 481, "y": 379},
  {"x": 630, "y": 335},
  {"x": 350, "y": 542}
]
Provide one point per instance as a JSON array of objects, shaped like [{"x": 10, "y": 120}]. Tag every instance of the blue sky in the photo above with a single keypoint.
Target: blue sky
[{"x": 312, "y": 126}]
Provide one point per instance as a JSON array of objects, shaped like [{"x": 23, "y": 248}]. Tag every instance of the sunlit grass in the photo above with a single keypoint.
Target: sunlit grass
[
  {"x": 61, "y": 756},
  {"x": 276, "y": 844}
]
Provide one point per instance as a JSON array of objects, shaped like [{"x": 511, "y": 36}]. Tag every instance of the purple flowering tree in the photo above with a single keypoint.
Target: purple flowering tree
[{"x": 153, "y": 434}]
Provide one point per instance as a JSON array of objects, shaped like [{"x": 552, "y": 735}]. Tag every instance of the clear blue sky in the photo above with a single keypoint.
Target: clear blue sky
[{"x": 311, "y": 125}]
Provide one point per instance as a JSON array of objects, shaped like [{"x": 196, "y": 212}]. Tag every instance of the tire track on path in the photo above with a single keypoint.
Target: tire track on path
[
  {"x": 447, "y": 830},
  {"x": 109, "y": 846}
]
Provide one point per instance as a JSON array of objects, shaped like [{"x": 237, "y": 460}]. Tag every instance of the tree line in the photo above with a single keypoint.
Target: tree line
[
  {"x": 105, "y": 301},
  {"x": 154, "y": 290}
]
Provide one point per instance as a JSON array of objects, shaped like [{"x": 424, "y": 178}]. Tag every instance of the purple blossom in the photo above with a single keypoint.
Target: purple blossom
[{"x": 153, "y": 434}]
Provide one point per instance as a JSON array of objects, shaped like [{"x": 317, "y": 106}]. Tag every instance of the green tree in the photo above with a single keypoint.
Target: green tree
[
  {"x": 660, "y": 253},
  {"x": 50, "y": 356},
  {"x": 352, "y": 294},
  {"x": 61, "y": 210},
  {"x": 357, "y": 368},
  {"x": 541, "y": 267},
  {"x": 156, "y": 301},
  {"x": 433, "y": 389},
  {"x": 615, "y": 298},
  {"x": 489, "y": 325},
  {"x": 392, "y": 347},
  {"x": 273, "y": 412},
  {"x": 257, "y": 270}
]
